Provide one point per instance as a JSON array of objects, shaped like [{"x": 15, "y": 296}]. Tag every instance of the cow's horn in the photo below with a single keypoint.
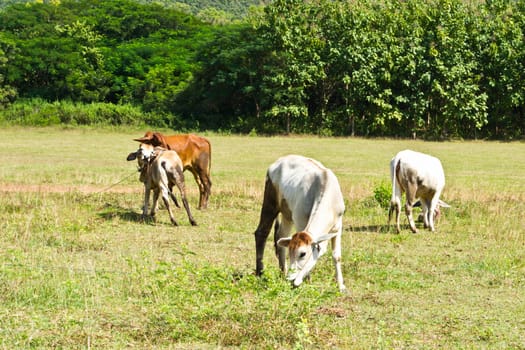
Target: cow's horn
[{"x": 142, "y": 139}]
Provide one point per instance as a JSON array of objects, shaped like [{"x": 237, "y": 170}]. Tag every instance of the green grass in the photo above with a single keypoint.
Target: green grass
[{"x": 79, "y": 270}]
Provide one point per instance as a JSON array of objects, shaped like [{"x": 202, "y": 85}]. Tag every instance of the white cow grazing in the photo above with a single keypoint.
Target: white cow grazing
[
  {"x": 307, "y": 195},
  {"x": 160, "y": 170},
  {"x": 420, "y": 176}
]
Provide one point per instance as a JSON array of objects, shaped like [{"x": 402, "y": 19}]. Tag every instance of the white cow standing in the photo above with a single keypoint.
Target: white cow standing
[
  {"x": 420, "y": 176},
  {"x": 307, "y": 195}
]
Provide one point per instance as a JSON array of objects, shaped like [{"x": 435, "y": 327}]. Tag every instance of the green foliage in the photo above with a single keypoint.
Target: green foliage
[
  {"x": 226, "y": 93},
  {"x": 228, "y": 9},
  {"x": 37, "y": 112},
  {"x": 502, "y": 53},
  {"x": 407, "y": 69},
  {"x": 383, "y": 194},
  {"x": 7, "y": 92},
  {"x": 434, "y": 69},
  {"x": 373, "y": 51}
]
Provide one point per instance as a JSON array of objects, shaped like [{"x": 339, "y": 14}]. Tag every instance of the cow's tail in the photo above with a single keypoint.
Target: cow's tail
[
  {"x": 209, "y": 169},
  {"x": 164, "y": 179},
  {"x": 395, "y": 199},
  {"x": 209, "y": 161}
]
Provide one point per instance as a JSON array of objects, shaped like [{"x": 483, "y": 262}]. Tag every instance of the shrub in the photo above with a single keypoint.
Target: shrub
[
  {"x": 382, "y": 194},
  {"x": 39, "y": 112}
]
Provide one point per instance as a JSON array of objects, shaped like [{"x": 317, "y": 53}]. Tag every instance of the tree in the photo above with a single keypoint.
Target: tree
[
  {"x": 501, "y": 52},
  {"x": 294, "y": 39},
  {"x": 53, "y": 60},
  {"x": 7, "y": 92},
  {"x": 227, "y": 91},
  {"x": 456, "y": 103}
]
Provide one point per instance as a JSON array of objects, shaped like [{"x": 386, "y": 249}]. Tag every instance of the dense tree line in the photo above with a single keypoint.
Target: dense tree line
[
  {"x": 218, "y": 11},
  {"x": 433, "y": 69},
  {"x": 212, "y": 11}
]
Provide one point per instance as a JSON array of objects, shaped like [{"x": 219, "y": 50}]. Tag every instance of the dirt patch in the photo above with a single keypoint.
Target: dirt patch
[{"x": 58, "y": 188}]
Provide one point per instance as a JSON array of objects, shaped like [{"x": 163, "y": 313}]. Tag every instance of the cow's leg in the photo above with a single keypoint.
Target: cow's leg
[
  {"x": 147, "y": 190},
  {"x": 179, "y": 181},
  {"x": 269, "y": 212},
  {"x": 434, "y": 203},
  {"x": 395, "y": 202},
  {"x": 425, "y": 205},
  {"x": 206, "y": 183},
  {"x": 173, "y": 198},
  {"x": 282, "y": 229},
  {"x": 201, "y": 187},
  {"x": 391, "y": 211},
  {"x": 154, "y": 207},
  {"x": 203, "y": 170},
  {"x": 165, "y": 199},
  {"x": 336, "y": 257},
  {"x": 398, "y": 217},
  {"x": 395, "y": 205},
  {"x": 411, "y": 191}
]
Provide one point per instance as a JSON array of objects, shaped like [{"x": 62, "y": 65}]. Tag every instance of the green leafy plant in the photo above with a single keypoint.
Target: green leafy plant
[{"x": 383, "y": 194}]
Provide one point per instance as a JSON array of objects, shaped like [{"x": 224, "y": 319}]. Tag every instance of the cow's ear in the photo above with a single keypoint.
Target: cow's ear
[
  {"x": 325, "y": 237},
  {"x": 132, "y": 156},
  {"x": 148, "y": 136},
  {"x": 443, "y": 204},
  {"x": 284, "y": 242},
  {"x": 157, "y": 139}
]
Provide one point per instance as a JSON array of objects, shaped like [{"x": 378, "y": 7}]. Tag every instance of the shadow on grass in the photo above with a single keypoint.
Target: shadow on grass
[
  {"x": 373, "y": 229},
  {"x": 391, "y": 229},
  {"x": 111, "y": 212}
]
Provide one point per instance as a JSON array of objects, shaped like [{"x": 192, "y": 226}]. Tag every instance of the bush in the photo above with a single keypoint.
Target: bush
[
  {"x": 39, "y": 112},
  {"x": 382, "y": 194}
]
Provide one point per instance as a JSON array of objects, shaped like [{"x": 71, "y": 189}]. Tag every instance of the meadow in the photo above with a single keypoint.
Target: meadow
[{"x": 79, "y": 269}]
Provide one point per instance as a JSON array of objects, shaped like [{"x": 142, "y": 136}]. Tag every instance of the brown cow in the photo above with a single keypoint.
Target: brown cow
[{"x": 195, "y": 153}]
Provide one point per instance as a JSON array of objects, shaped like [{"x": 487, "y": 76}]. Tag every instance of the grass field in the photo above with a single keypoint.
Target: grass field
[{"x": 78, "y": 269}]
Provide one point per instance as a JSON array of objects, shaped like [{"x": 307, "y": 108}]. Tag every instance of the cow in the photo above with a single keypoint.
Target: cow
[
  {"x": 420, "y": 176},
  {"x": 195, "y": 154},
  {"x": 160, "y": 170},
  {"x": 307, "y": 195}
]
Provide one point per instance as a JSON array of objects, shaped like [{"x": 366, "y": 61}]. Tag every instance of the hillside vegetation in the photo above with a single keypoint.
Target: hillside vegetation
[
  {"x": 435, "y": 69},
  {"x": 236, "y": 9}
]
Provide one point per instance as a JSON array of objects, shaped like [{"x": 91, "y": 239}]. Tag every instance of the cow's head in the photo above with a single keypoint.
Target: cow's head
[
  {"x": 152, "y": 138},
  {"x": 144, "y": 155},
  {"x": 304, "y": 253},
  {"x": 441, "y": 204},
  {"x": 437, "y": 211}
]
